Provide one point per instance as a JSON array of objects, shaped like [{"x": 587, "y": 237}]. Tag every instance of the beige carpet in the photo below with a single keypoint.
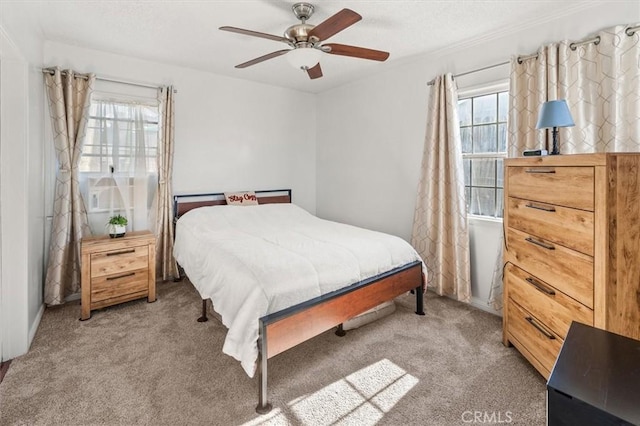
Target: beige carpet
[{"x": 142, "y": 363}]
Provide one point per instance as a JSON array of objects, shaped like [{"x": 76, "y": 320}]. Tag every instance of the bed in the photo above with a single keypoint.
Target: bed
[{"x": 278, "y": 276}]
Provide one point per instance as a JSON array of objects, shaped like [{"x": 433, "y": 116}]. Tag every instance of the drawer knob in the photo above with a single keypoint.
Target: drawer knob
[
  {"x": 538, "y": 286},
  {"x": 541, "y": 207},
  {"x": 540, "y": 328},
  {"x": 116, "y": 253},
  {"x": 121, "y": 276},
  {"x": 540, "y": 243}
]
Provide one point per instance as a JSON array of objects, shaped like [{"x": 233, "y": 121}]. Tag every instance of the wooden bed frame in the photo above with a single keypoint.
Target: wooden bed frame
[{"x": 289, "y": 327}]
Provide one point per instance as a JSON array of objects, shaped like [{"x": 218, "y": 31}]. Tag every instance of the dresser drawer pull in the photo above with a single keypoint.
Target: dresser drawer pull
[
  {"x": 540, "y": 328},
  {"x": 121, "y": 276},
  {"x": 545, "y": 171},
  {"x": 540, "y": 287},
  {"x": 115, "y": 253},
  {"x": 540, "y": 243},
  {"x": 541, "y": 207}
]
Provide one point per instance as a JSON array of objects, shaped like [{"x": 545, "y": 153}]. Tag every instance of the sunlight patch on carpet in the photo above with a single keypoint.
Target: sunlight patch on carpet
[{"x": 360, "y": 398}]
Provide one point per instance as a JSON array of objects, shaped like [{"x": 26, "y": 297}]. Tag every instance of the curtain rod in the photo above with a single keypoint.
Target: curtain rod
[
  {"x": 433, "y": 81},
  {"x": 112, "y": 80},
  {"x": 595, "y": 40}
]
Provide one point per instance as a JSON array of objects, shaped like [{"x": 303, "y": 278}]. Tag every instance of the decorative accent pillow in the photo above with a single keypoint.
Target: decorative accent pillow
[{"x": 246, "y": 198}]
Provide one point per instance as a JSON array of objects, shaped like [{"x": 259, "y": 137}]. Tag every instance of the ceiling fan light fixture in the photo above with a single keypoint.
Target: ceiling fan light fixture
[{"x": 304, "y": 57}]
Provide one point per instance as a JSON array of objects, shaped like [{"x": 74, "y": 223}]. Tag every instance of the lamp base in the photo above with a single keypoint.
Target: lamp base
[{"x": 555, "y": 150}]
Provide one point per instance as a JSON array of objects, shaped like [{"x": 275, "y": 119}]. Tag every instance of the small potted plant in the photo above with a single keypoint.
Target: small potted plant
[{"x": 117, "y": 226}]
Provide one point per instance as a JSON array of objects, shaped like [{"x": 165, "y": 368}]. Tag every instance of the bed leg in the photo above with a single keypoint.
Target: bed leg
[
  {"x": 263, "y": 406},
  {"x": 204, "y": 318},
  {"x": 340, "y": 331},
  {"x": 420, "y": 300}
]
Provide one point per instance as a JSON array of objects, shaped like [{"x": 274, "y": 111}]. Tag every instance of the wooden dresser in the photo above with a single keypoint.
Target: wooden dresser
[
  {"x": 572, "y": 237},
  {"x": 116, "y": 270}
]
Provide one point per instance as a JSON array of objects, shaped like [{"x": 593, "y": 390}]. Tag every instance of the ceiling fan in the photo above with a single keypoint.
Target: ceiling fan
[{"x": 304, "y": 40}]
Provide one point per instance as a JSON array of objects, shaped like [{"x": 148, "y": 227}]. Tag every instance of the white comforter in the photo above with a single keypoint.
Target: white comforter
[{"x": 255, "y": 260}]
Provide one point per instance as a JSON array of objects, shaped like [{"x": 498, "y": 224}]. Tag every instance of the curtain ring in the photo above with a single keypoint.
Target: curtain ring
[{"x": 630, "y": 31}]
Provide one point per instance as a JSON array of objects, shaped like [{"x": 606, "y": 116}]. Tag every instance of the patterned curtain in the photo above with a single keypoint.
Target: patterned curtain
[
  {"x": 69, "y": 95},
  {"x": 440, "y": 229},
  {"x": 166, "y": 264},
  {"x": 601, "y": 83}
]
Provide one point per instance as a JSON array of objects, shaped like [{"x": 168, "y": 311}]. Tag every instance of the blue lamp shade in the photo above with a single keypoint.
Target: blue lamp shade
[{"x": 554, "y": 114}]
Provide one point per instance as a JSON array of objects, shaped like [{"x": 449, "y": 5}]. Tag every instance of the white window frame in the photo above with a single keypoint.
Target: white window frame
[{"x": 476, "y": 91}]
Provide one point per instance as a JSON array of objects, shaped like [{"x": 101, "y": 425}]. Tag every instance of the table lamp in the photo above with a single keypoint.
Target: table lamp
[{"x": 554, "y": 114}]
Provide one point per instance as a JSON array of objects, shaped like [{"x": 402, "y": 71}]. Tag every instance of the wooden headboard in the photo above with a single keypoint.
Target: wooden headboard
[{"x": 184, "y": 203}]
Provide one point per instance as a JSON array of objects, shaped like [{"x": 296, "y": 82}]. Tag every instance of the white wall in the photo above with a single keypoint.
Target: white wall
[
  {"x": 369, "y": 156},
  {"x": 230, "y": 134},
  {"x": 21, "y": 201}
]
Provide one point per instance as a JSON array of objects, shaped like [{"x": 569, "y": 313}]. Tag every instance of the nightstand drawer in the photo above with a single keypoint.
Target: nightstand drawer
[
  {"x": 123, "y": 283},
  {"x": 535, "y": 336},
  {"x": 118, "y": 261},
  {"x": 563, "y": 186},
  {"x": 567, "y": 270},
  {"x": 569, "y": 227},
  {"x": 551, "y": 306}
]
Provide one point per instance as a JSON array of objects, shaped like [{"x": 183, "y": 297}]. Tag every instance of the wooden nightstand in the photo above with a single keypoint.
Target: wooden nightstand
[{"x": 116, "y": 270}]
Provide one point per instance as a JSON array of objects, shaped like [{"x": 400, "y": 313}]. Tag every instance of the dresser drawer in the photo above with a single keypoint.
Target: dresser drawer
[
  {"x": 564, "y": 186},
  {"x": 120, "y": 260},
  {"x": 533, "y": 335},
  {"x": 120, "y": 284},
  {"x": 567, "y": 270},
  {"x": 566, "y": 226},
  {"x": 549, "y": 305}
]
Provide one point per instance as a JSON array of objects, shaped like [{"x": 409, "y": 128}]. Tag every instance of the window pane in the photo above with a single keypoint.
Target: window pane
[
  {"x": 484, "y": 138},
  {"x": 465, "y": 136},
  {"x": 467, "y": 197},
  {"x": 502, "y": 138},
  {"x": 485, "y": 109},
  {"x": 483, "y": 172},
  {"x": 500, "y": 173},
  {"x": 464, "y": 112},
  {"x": 499, "y": 203},
  {"x": 483, "y": 201},
  {"x": 466, "y": 163},
  {"x": 503, "y": 106}
]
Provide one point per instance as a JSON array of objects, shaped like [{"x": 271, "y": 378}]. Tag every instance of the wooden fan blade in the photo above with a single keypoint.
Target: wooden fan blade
[
  {"x": 263, "y": 58},
  {"x": 356, "y": 52},
  {"x": 254, "y": 34},
  {"x": 315, "y": 72},
  {"x": 334, "y": 24}
]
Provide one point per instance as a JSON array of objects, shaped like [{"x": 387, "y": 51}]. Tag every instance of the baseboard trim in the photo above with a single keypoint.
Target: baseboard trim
[
  {"x": 34, "y": 326},
  {"x": 4, "y": 367},
  {"x": 484, "y": 306}
]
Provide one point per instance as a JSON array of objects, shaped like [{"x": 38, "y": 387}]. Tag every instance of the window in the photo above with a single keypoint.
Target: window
[
  {"x": 483, "y": 130},
  {"x": 114, "y": 133},
  {"x": 118, "y": 167}
]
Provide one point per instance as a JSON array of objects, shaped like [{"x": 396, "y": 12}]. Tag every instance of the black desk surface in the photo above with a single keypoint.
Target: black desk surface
[{"x": 601, "y": 369}]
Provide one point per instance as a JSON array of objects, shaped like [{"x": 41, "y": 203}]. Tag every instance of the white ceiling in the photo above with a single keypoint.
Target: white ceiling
[{"x": 185, "y": 32}]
